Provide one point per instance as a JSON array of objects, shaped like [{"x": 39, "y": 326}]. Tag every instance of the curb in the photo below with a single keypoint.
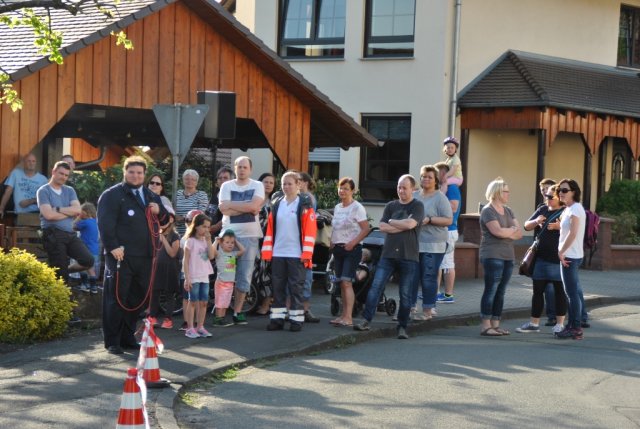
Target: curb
[{"x": 167, "y": 398}]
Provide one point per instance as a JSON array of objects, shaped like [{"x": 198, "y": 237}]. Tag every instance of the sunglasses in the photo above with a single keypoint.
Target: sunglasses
[
  {"x": 550, "y": 197},
  {"x": 564, "y": 190},
  {"x": 155, "y": 183}
]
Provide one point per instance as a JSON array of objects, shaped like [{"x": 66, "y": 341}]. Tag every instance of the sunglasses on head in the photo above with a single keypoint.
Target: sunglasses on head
[
  {"x": 564, "y": 190},
  {"x": 155, "y": 183}
]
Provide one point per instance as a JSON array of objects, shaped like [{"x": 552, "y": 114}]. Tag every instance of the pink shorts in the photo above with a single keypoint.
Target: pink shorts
[{"x": 223, "y": 291}]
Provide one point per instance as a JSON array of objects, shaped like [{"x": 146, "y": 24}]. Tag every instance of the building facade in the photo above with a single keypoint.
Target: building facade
[{"x": 398, "y": 66}]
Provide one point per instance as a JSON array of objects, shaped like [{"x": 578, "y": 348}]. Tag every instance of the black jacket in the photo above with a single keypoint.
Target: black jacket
[{"x": 122, "y": 220}]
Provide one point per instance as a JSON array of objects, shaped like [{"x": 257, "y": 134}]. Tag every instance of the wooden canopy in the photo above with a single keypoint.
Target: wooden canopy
[{"x": 180, "y": 47}]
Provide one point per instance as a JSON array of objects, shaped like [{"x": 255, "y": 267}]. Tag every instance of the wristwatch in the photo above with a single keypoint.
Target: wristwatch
[
  {"x": 429, "y": 220},
  {"x": 58, "y": 209}
]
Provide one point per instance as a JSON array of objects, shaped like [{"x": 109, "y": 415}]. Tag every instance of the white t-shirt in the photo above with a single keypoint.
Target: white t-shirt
[
  {"x": 574, "y": 213},
  {"x": 345, "y": 222},
  {"x": 244, "y": 225},
  {"x": 286, "y": 243}
]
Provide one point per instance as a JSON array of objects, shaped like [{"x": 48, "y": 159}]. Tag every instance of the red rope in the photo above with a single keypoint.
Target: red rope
[{"x": 154, "y": 229}]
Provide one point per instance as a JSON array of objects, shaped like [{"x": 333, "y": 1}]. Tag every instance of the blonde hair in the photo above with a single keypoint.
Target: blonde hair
[
  {"x": 89, "y": 209},
  {"x": 495, "y": 189}
]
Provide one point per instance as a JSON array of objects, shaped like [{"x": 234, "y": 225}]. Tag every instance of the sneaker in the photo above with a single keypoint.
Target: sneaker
[
  {"x": 310, "y": 318},
  {"x": 191, "y": 333},
  {"x": 402, "y": 334},
  {"x": 204, "y": 333},
  {"x": 574, "y": 333},
  {"x": 557, "y": 328},
  {"x": 447, "y": 299},
  {"x": 440, "y": 296},
  {"x": 362, "y": 326},
  {"x": 275, "y": 326},
  {"x": 585, "y": 324},
  {"x": 94, "y": 289},
  {"x": 221, "y": 322},
  {"x": 167, "y": 324},
  {"x": 395, "y": 317},
  {"x": 295, "y": 327},
  {"x": 183, "y": 327},
  {"x": 551, "y": 322},
  {"x": 84, "y": 288},
  {"x": 528, "y": 327},
  {"x": 240, "y": 319}
]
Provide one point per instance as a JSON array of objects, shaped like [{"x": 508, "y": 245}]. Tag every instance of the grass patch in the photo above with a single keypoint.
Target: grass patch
[{"x": 189, "y": 398}]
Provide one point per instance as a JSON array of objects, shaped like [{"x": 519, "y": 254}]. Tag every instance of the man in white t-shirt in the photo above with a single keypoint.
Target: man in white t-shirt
[
  {"x": 22, "y": 184},
  {"x": 240, "y": 203}
]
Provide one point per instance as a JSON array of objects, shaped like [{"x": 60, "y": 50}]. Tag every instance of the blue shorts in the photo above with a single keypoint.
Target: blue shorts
[
  {"x": 346, "y": 262},
  {"x": 199, "y": 292}
]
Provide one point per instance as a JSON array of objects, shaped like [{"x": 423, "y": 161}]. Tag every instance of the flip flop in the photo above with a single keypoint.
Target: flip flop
[
  {"x": 336, "y": 321},
  {"x": 502, "y": 331},
  {"x": 342, "y": 324},
  {"x": 491, "y": 332}
]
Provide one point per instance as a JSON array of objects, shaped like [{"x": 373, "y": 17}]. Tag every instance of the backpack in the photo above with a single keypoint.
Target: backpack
[{"x": 590, "y": 242}]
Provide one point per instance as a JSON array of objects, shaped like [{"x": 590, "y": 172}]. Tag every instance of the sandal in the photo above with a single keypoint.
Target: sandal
[
  {"x": 343, "y": 324},
  {"x": 502, "y": 331},
  {"x": 336, "y": 322},
  {"x": 491, "y": 332}
]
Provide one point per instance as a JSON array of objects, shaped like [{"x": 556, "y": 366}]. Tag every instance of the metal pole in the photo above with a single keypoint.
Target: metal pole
[
  {"x": 176, "y": 155},
  {"x": 454, "y": 70}
]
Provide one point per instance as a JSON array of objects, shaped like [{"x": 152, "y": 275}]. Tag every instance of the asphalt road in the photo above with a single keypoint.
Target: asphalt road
[{"x": 447, "y": 378}]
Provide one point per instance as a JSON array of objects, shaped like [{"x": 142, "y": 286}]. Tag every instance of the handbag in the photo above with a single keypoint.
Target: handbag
[{"x": 529, "y": 259}]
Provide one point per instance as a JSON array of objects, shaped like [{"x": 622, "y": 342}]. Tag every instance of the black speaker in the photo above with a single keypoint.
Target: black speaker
[{"x": 220, "y": 122}]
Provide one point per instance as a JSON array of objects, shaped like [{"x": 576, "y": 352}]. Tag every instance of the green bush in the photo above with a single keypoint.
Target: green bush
[
  {"x": 623, "y": 230},
  {"x": 327, "y": 194},
  {"x": 35, "y": 303},
  {"x": 622, "y": 203}
]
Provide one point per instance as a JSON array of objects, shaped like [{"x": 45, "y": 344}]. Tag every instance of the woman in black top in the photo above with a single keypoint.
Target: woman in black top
[{"x": 546, "y": 222}]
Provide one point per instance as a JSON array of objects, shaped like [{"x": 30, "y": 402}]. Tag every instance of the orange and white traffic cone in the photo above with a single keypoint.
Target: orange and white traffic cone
[
  {"x": 151, "y": 372},
  {"x": 132, "y": 414}
]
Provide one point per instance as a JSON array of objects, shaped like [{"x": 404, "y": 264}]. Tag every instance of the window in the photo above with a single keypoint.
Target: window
[
  {"x": 381, "y": 167},
  {"x": 312, "y": 28},
  {"x": 629, "y": 37},
  {"x": 389, "y": 28}
]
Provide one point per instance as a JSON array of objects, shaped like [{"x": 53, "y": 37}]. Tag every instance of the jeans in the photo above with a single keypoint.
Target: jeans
[
  {"x": 427, "y": 276},
  {"x": 246, "y": 263},
  {"x": 573, "y": 290},
  {"x": 550, "y": 302},
  {"x": 497, "y": 273},
  {"x": 406, "y": 269}
]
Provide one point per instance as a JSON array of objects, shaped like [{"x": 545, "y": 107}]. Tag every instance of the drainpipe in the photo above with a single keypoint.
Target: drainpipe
[
  {"x": 103, "y": 154},
  {"x": 453, "y": 96}
]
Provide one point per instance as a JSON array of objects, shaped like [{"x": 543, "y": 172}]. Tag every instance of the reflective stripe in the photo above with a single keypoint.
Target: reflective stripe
[
  {"x": 309, "y": 239},
  {"x": 278, "y": 316},
  {"x": 299, "y": 319},
  {"x": 266, "y": 248},
  {"x": 296, "y": 312},
  {"x": 268, "y": 238},
  {"x": 279, "y": 310},
  {"x": 307, "y": 248}
]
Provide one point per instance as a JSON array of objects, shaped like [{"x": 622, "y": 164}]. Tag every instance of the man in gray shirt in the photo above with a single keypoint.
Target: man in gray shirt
[{"x": 59, "y": 205}]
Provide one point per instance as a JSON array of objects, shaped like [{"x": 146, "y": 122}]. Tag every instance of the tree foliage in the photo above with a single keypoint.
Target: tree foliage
[{"x": 36, "y": 15}]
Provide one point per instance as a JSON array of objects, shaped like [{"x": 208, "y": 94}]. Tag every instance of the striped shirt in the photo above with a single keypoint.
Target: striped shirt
[{"x": 185, "y": 203}]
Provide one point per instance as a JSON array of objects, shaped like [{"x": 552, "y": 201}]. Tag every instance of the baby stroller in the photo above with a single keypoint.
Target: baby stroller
[{"x": 373, "y": 242}]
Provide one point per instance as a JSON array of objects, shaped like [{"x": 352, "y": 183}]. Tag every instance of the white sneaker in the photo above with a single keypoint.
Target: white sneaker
[
  {"x": 528, "y": 327},
  {"x": 191, "y": 333},
  {"x": 557, "y": 328}
]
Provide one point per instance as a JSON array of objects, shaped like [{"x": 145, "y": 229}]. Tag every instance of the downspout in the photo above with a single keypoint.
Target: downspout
[
  {"x": 453, "y": 96},
  {"x": 103, "y": 154}
]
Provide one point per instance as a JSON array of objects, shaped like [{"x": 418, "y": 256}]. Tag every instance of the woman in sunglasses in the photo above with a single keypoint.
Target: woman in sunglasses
[
  {"x": 156, "y": 185},
  {"x": 570, "y": 253},
  {"x": 546, "y": 224}
]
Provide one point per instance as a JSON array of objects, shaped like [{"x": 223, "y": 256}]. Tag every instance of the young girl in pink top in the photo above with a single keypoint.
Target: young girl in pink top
[{"x": 198, "y": 251}]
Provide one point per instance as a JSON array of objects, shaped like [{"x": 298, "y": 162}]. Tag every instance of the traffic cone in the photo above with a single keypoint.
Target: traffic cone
[
  {"x": 151, "y": 372},
  {"x": 132, "y": 415}
]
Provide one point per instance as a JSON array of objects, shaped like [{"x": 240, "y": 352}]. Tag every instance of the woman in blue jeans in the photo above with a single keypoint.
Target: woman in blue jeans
[
  {"x": 433, "y": 239},
  {"x": 499, "y": 228},
  {"x": 570, "y": 252}
]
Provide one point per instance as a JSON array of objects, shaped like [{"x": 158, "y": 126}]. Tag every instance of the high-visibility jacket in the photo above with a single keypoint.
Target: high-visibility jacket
[{"x": 307, "y": 228}]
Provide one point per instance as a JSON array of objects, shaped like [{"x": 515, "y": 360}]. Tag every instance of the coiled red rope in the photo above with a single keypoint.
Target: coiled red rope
[{"x": 154, "y": 229}]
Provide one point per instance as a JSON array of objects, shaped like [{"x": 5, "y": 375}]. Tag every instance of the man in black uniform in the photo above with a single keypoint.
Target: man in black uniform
[{"x": 128, "y": 245}]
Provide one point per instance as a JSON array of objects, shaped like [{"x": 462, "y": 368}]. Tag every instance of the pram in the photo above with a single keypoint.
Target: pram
[{"x": 373, "y": 242}]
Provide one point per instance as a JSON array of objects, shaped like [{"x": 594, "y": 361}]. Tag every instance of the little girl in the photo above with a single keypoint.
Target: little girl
[
  {"x": 454, "y": 176},
  {"x": 166, "y": 278},
  {"x": 198, "y": 251},
  {"x": 226, "y": 257},
  {"x": 88, "y": 227}
]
